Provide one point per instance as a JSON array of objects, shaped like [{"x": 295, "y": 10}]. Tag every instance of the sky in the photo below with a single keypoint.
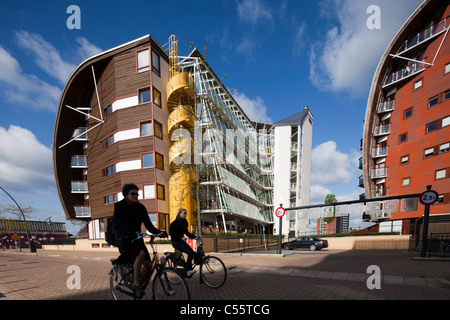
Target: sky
[{"x": 276, "y": 55}]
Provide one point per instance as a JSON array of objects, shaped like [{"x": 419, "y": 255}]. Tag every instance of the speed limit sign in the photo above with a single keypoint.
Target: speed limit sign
[
  {"x": 428, "y": 197},
  {"x": 280, "y": 212}
]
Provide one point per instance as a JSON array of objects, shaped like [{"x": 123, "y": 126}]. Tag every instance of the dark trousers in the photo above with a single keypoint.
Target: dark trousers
[{"x": 184, "y": 247}]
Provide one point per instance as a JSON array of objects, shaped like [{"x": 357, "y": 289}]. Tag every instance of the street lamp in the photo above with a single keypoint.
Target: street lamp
[{"x": 26, "y": 224}]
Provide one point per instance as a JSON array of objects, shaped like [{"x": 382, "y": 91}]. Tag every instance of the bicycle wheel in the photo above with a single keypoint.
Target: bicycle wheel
[
  {"x": 119, "y": 287},
  {"x": 213, "y": 272},
  {"x": 170, "y": 285}
]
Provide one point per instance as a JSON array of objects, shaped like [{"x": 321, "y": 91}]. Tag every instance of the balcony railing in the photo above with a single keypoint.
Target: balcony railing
[
  {"x": 378, "y": 173},
  {"x": 409, "y": 70},
  {"x": 80, "y": 187},
  {"x": 82, "y": 211},
  {"x": 382, "y": 130},
  {"x": 386, "y": 106},
  {"x": 361, "y": 181},
  {"x": 78, "y": 162},
  {"x": 424, "y": 35},
  {"x": 379, "y": 152},
  {"x": 80, "y": 134}
]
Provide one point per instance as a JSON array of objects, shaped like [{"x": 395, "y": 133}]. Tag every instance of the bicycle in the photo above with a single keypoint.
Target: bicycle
[
  {"x": 212, "y": 270},
  {"x": 167, "y": 283}
]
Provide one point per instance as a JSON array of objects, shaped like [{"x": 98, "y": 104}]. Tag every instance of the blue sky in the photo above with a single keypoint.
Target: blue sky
[{"x": 280, "y": 55}]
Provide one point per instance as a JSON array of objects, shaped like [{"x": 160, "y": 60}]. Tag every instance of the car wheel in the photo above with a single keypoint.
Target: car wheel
[{"x": 313, "y": 247}]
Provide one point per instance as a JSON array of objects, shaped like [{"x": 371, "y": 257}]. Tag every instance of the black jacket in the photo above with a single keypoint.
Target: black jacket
[
  {"x": 178, "y": 228},
  {"x": 128, "y": 220}
]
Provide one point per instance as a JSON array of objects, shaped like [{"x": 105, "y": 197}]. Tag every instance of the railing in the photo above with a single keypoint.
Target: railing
[
  {"x": 246, "y": 244},
  {"x": 378, "y": 173},
  {"x": 424, "y": 35},
  {"x": 80, "y": 134},
  {"x": 82, "y": 211},
  {"x": 386, "y": 106},
  {"x": 405, "y": 72},
  {"x": 379, "y": 152},
  {"x": 438, "y": 244},
  {"x": 79, "y": 187},
  {"x": 78, "y": 162},
  {"x": 380, "y": 130}
]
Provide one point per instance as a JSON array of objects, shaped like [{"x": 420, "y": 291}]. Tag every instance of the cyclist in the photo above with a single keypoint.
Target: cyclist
[
  {"x": 177, "y": 230},
  {"x": 129, "y": 214}
]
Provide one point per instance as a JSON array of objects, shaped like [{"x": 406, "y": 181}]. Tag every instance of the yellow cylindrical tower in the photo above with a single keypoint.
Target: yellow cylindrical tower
[{"x": 180, "y": 96}]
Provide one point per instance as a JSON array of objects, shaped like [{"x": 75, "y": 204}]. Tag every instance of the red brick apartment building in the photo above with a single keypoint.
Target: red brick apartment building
[{"x": 406, "y": 135}]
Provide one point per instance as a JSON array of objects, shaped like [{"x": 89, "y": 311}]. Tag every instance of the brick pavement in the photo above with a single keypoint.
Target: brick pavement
[{"x": 308, "y": 275}]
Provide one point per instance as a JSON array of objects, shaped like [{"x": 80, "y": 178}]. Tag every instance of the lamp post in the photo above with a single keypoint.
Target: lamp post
[{"x": 26, "y": 224}]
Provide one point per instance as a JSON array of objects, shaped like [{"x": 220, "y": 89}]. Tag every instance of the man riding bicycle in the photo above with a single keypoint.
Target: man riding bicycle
[
  {"x": 129, "y": 214},
  {"x": 177, "y": 230}
]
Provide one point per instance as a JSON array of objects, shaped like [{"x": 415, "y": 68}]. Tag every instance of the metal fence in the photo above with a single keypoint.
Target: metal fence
[
  {"x": 438, "y": 245},
  {"x": 243, "y": 244}
]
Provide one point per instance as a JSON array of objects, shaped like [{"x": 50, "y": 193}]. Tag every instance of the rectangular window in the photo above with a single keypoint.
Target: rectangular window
[
  {"x": 444, "y": 147},
  {"x": 147, "y": 160},
  {"x": 446, "y": 95},
  {"x": 441, "y": 174},
  {"x": 144, "y": 95},
  {"x": 157, "y": 97},
  {"x": 428, "y": 152},
  {"x": 159, "y": 158},
  {"x": 418, "y": 84},
  {"x": 431, "y": 127},
  {"x": 143, "y": 60},
  {"x": 146, "y": 128},
  {"x": 109, "y": 170},
  {"x": 404, "y": 159},
  {"x": 406, "y": 182},
  {"x": 445, "y": 121},
  {"x": 407, "y": 113},
  {"x": 106, "y": 142},
  {"x": 110, "y": 198},
  {"x": 403, "y": 137},
  {"x": 433, "y": 101},
  {"x": 161, "y": 192},
  {"x": 149, "y": 191},
  {"x": 155, "y": 63},
  {"x": 158, "y": 130},
  {"x": 447, "y": 68},
  {"x": 107, "y": 111}
]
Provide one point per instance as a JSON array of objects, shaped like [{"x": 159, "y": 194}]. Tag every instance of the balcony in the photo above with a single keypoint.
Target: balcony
[
  {"x": 361, "y": 181},
  {"x": 406, "y": 72},
  {"x": 80, "y": 134},
  {"x": 378, "y": 173},
  {"x": 360, "y": 163},
  {"x": 386, "y": 106},
  {"x": 379, "y": 152},
  {"x": 382, "y": 130},
  {"x": 80, "y": 187},
  {"x": 79, "y": 162},
  {"x": 82, "y": 212},
  {"x": 423, "y": 36}
]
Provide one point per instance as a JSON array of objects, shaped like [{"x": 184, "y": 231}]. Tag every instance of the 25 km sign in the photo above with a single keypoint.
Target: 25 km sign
[
  {"x": 428, "y": 197},
  {"x": 280, "y": 212}
]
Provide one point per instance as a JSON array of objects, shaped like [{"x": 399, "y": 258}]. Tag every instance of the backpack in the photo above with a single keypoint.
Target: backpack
[{"x": 111, "y": 235}]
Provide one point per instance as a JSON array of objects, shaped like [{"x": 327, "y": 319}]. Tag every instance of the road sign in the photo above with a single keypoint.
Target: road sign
[
  {"x": 428, "y": 197},
  {"x": 280, "y": 212}
]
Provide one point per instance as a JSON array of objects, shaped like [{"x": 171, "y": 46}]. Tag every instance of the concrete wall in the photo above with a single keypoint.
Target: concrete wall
[{"x": 369, "y": 242}]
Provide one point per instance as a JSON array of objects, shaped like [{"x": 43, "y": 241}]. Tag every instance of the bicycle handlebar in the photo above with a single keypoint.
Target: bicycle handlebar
[{"x": 139, "y": 235}]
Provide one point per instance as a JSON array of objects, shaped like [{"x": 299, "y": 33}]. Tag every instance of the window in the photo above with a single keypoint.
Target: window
[
  {"x": 447, "y": 68},
  {"x": 159, "y": 159},
  {"x": 107, "y": 111},
  {"x": 146, "y": 128},
  {"x": 445, "y": 121},
  {"x": 403, "y": 137},
  {"x": 158, "y": 130},
  {"x": 155, "y": 63},
  {"x": 429, "y": 152},
  {"x": 433, "y": 101},
  {"x": 446, "y": 95},
  {"x": 404, "y": 160},
  {"x": 149, "y": 191},
  {"x": 157, "y": 97},
  {"x": 161, "y": 192},
  {"x": 441, "y": 174},
  {"x": 147, "y": 160},
  {"x": 143, "y": 60},
  {"x": 444, "y": 147},
  {"x": 418, "y": 84},
  {"x": 109, "y": 170},
  {"x": 106, "y": 142},
  {"x": 431, "y": 127},
  {"x": 406, "y": 182},
  {"x": 407, "y": 113},
  {"x": 144, "y": 95},
  {"x": 110, "y": 198}
]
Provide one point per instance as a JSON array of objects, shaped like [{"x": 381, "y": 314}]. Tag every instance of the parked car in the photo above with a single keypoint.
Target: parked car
[{"x": 313, "y": 243}]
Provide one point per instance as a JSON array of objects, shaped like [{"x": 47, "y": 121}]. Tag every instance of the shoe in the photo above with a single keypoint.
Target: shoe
[
  {"x": 190, "y": 273},
  {"x": 138, "y": 289}
]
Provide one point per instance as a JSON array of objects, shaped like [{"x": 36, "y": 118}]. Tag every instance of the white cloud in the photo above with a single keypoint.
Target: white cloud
[
  {"x": 252, "y": 11},
  {"x": 46, "y": 56},
  {"x": 329, "y": 165},
  {"x": 25, "y": 163},
  {"x": 318, "y": 193},
  {"x": 299, "y": 40},
  {"x": 25, "y": 89},
  {"x": 347, "y": 58},
  {"x": 255, "y": 109}
]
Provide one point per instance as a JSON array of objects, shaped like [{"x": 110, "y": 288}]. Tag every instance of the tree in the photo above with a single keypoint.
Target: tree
[
  {"x": 330, "y": 198},
  {"x": 14, "y": 210}
]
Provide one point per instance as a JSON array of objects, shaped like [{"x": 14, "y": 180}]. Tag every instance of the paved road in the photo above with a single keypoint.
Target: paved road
[{"x": 299, "y": 275}]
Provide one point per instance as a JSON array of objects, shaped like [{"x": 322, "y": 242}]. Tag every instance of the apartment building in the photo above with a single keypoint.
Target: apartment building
[
  {"x": 405, "y": 144},
  {"x": 140, "y": 113}
]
